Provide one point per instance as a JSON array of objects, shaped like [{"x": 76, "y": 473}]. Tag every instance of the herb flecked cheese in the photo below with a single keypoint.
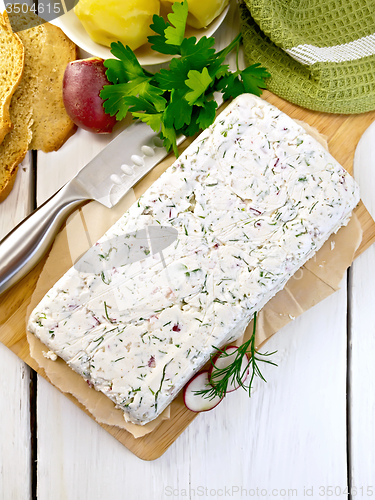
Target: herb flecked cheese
[{"x": 249, "y": 201}]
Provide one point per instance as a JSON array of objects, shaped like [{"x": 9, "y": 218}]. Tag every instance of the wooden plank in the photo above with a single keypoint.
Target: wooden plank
[
  {"x": 15, "y": 449},
  {"x": 143, "y": 447},
  {"x": 291, "y": 433},
  {"x": 362, "y": 331},
  {"x": 19, "y": 345},
  {"x": 15, "y": 379},
  {"x": 46, "y": 180},
  {"x": 20, "y": 201},
  {"x": 67, "y": 426},
  {"x": 82, "y": 147},
  {"x": 362, "y": 372},
  {"x": 89, "y": 463},
  {"x": 149, "y": 446}
]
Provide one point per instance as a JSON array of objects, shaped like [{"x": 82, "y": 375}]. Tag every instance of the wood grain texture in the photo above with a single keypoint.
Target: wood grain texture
[
  {"x": 55, "y": 169},
  {"x": 362, "y": 335},
  {"x": 362, "y": 372},
  {"x": 78, "y": 459},
  {"x": 15, "y": 438},
  {"x": 15, "y": 453},
  {"x": 19, "y": 203},
  {"x": 290, "y": 433},
  {"x": 148, "y": 447},
  {"x": 151, "y": 446}
]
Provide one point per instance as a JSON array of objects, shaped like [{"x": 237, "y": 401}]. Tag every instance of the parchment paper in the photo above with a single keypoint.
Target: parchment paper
[{"x": 316, "y": 280}]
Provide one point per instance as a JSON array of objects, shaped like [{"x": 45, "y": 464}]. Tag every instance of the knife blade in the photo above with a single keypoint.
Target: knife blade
[
  {"x": 106, "y": 179},
  {"x": 119, "y": 166}
]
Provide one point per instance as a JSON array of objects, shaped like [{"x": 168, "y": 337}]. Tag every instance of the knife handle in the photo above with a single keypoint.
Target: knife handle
[{"x": 25, "y": 245}]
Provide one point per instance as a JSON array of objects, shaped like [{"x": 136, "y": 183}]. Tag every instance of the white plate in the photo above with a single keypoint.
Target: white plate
[{"x": 73, "y": 28}]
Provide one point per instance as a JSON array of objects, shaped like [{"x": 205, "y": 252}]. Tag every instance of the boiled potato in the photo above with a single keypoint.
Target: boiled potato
[
  {"x": 127, "y": 21},
  {"x": 201, "y": 12}
]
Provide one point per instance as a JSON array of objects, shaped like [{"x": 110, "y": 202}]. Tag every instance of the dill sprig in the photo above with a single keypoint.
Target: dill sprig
[{"x": 235, "y": 373}]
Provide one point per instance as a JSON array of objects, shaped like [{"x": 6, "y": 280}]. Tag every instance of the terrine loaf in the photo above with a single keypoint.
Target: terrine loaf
[{"x": 249, "y": 202}]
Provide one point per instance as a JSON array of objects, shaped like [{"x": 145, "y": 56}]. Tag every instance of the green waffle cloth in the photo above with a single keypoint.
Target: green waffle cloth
[{"x": 320, "y": 53}]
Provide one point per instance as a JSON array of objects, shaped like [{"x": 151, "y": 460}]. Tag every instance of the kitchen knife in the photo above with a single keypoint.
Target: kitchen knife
[{"x": 106, "y": 179}]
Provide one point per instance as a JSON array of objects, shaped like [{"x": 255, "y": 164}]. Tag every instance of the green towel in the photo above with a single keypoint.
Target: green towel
[{"x": 320, "y": 53}]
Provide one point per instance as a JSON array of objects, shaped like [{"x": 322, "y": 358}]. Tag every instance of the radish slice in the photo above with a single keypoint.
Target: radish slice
[
  {"x": 195, "y": 402},
  {"x": 222, "y": 361}
]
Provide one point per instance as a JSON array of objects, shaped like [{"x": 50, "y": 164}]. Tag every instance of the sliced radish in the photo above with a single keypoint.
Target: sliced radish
[
  {"x": 196, "y": 402},
  {"x": 223, "y": 360}
]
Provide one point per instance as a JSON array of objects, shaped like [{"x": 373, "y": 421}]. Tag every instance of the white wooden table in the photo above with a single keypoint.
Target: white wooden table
[{"x": 308, "y": 432}]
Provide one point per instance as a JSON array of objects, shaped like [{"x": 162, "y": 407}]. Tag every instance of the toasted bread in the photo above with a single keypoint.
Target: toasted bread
[
  {"x": 52, "y": 126},
  {"x": 11, "y": 69},
  {"x": 50, "y": 52},
  {"x": 37, "y": 110},
  {"x": 15, "y": 145}
]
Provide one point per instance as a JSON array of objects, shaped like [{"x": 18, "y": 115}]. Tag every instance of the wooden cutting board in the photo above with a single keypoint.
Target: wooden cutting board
[{"x": 343, "y": 133}]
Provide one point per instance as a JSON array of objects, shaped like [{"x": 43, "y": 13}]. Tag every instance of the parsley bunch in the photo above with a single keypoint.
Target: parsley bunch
[{"x": 177, "y": 100}]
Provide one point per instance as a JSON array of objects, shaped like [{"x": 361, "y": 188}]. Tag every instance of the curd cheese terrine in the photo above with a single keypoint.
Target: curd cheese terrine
[{"x": 249, "y": 202}]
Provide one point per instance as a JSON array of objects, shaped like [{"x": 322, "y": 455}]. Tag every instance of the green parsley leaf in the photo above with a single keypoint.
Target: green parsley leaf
[
  {"x": 178, "y": 99},
  {"x": 115, "y": 96},
  {"x": 198, "y": 82},
  {"x": 249, "y": 80},
  {"x": 231, "y": 86},
  {"x": 140, "y": 103},
  {"x": 174, "y": 34},
  {"x": 199, "y": 51},
  {"x": 193, "y": 127},
  {"x": 152, "y": 119},
  {"x": 175, "y": 76},
  {"x": 207, "y": 114},
  {"x": 253, "y": 79},
  {"x": 126, "y": 67},
  {"x": 169, "y": 138},
  {"x": 159, "y": 42},
  {"x": 159, "y": 25},
  {"x": 178, "y": 112}
]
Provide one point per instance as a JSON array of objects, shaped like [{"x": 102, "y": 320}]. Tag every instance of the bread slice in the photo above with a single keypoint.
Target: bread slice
[
  {"x": 52, "y": 126},
  {"x": 50, "y": 52},
  {"x": 37, "y": 109},
  {"x": 11, "y": 69},
  {"x": 15, "y": 145}
]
